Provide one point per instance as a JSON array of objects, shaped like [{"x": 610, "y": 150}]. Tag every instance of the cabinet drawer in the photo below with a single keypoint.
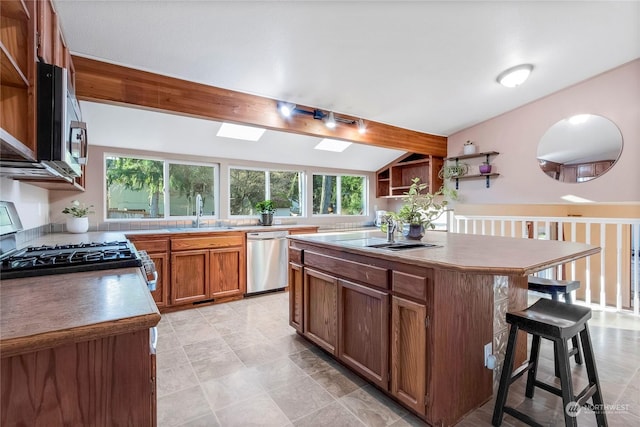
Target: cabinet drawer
[
  {"x": 411, "y": 285},
  {"x": 151, "y": 245},
  {"x": 364, "y": 273},
  {"x": 295, "y": 255},
  {"x": 211, "y": 242}
]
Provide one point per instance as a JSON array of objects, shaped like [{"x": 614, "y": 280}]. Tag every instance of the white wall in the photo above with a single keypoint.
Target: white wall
[
  {"x": 32, "y": 203},
  {"x": 515, "y": 135}
]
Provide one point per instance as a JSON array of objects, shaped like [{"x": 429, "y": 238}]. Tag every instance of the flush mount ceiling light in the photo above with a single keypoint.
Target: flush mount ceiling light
[
  {"x": 247, "y": 133},
  {"x": 578, "y": 119},
  {"x": 332, "y": 145},
  {"x": 515, "y": 76}
]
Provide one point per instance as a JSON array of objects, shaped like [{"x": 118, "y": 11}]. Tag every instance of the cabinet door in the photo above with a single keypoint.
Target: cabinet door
[
  {"x": 227, "y": 269},
  {"x": 47, "y": 31},
  {"x": 321, "y": 309},
  {"x": 408, "y": 353},
  {"x": 363, "y": 339},
  {"x": 161, "y": 294},
  {"x": 295, "y": 296},
  {"x": 189, "y": 276}
]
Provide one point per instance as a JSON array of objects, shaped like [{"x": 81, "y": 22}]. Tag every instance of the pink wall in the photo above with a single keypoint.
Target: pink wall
[{"x": 515, "y": 135}]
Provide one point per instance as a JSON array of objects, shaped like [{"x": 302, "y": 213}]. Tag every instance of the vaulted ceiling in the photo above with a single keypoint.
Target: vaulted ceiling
[{"x": 421, "y": 65}]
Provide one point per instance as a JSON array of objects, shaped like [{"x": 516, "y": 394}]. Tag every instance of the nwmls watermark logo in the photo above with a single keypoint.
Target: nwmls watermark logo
[{"x": 573, "y": 409}]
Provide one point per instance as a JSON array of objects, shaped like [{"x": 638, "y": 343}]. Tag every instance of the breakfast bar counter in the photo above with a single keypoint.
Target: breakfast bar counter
[{"x": 416, "y": 322}]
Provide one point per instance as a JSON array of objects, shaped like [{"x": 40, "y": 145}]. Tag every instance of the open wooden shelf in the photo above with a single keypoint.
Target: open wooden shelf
[{"x": 395, "y": 179}]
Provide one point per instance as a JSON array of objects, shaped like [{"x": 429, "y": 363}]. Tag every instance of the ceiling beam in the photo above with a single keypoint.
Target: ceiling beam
[{"x": 114, "y": 84}]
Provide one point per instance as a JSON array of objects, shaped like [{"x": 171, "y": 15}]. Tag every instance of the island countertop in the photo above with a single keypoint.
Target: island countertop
[{"x": 466, "y": 253}]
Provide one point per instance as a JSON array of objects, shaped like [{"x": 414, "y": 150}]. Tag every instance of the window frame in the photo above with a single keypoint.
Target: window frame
[{"x": 165, "y": 189}]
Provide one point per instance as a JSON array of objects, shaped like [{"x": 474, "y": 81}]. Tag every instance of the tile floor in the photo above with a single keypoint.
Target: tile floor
[{"x": 241, "y": 364}]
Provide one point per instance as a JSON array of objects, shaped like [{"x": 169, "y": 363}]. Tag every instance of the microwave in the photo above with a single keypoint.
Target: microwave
[{"x": 61, "y": 133}]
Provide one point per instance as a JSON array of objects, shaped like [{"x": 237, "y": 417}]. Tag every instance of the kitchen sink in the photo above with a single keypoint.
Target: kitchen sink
[
  {"x": 399, "y": 246},
  {"x": 200, "y": 229}
]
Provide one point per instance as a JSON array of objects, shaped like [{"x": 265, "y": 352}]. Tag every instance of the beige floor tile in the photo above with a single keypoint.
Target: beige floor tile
[
  {"x": 372, "y": 408},
  {"x": 300, "y": 398},
  {"x": 171, "y": 358},
  {"x": 338, "y": 382},
  {"x": 209, "y": 420},
  {"x": 243, "y": 339},
  {"x": 259, "y": 411},
  {"x": 218, "y": 365},
  {"x": 188, "y": 333},
  {"x": 185, "y": 405},
  {"x": 259, "y": 354},
  {"x": 224, "y": 391},
  {"x": 333, "y": 414},
  {"x": 278, "y": 373},
  {"x": 167, "y": 341},
  {"x": 309, "y": 361},
  {"x": 175, "y": 378},
  {"x": 205, "y": 349}
]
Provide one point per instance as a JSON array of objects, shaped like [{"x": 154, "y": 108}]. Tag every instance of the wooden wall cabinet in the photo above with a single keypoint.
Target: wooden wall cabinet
[
  {"x": 207, "y": 266},
  {"x": 17, "y": 80},
  {"x": 29, "y": 32},
  {"x": 394, "y": 179},
  {"x": 296, "y": 299}
]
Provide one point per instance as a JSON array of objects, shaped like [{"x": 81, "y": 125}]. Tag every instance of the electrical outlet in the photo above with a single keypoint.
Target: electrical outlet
[{"x": 488, "y": 351}]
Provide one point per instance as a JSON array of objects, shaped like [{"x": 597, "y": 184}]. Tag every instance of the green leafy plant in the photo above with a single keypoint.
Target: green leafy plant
[
  {"x": 265, "y": 206},
  {"x": 422, "y": 208},
  {"x": 77, "y": 209}
]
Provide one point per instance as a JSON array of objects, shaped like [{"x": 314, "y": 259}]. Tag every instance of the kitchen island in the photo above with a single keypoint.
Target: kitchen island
[{"x": 415, "y": 322}]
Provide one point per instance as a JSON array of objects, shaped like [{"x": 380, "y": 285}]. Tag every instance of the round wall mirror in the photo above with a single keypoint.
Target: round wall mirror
[{"x": 579, "y": 148}]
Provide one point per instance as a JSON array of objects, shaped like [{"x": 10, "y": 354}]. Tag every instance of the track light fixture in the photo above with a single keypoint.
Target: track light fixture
[
  {"x": 288, "y": 109},
  {"x": 330, "y": 122}
]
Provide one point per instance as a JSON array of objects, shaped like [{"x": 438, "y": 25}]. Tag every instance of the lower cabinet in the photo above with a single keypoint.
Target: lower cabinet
[
  {"x": 198, "y": 275},
  {"x": 158, "y": 251},
  {"x": 321, "y": 309},
  {"x": 296, "y": 300},
  {"x": 363, "y": 339},
  {"x": 107, "y": 381},
  {"x": 408, "y": 353},
  {"x": 189, "y": 276},
  {"x": 379, "y": 329}
]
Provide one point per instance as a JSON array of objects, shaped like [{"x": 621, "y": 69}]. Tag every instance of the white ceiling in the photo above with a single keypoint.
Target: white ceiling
[{"x": 421, "y": 65}]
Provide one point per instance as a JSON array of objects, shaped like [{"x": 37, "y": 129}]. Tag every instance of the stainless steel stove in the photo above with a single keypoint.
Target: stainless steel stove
[
  {"x": 64, "y": 258},
  {"x": 59, "y": 259}
]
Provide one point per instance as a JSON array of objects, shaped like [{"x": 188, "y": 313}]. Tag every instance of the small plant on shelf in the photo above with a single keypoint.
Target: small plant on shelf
[{"x": 266, "y": 209}]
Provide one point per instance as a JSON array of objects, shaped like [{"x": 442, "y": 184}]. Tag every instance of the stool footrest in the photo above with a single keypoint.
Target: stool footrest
[
  {"x": 520, "y": 372},
  {"x": 521, "y": 416},
  {"x": 547, "y": 387},
  {"x": 586, "y": 394}
]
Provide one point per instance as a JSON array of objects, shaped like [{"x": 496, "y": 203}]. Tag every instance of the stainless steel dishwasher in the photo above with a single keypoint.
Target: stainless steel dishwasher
[{"x": 266, "y": 261}]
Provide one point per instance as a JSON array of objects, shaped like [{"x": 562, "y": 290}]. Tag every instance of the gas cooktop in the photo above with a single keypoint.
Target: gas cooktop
[{"x": 72, "y": 258}]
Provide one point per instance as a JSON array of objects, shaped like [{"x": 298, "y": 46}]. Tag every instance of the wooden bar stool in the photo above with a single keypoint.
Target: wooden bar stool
[
  {"x": 558, "y": 288},
  {"x": 555, "y": 321}
]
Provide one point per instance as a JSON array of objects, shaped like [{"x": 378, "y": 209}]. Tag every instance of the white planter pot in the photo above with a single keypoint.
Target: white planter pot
[
  {"x": 77, "y": 225},
  {"x": 469, "y": 149}
]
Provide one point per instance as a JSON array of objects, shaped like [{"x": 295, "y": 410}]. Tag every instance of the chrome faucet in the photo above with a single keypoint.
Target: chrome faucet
[
  {"x": 199, "y": 207},
  {"x": 391, "y": 229}
]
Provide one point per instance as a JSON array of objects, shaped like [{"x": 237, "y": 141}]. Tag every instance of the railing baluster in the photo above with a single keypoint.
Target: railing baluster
[
  {"x": 502, "y": 228},
  {"x": 587, "y": 289},
  {"x": 603, "y": 245},
  {"x": 619, "y": 267},
  {"x": 636, "y": 268}
]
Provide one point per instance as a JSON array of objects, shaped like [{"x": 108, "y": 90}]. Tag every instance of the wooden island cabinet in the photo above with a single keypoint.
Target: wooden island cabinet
[{"x": 415, "y": 323}]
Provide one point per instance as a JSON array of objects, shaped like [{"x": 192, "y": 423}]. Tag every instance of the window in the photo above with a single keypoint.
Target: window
[
  {"x": 250, "y": 186},
  {"x": 187, "y": 181},
  {"x": 339, "y": 195},
  {"x": 136, "y": 188}
]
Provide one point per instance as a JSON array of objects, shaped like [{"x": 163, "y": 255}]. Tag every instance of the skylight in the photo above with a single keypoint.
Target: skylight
[
  {"x": 247, "y": 133},
  {"x": 332, "y": 145}
]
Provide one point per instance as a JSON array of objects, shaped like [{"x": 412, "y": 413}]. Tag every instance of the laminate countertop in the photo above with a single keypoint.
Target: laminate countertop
[
  {"x": 46, "y": 311},
  {"x": 467, "y": 253}
]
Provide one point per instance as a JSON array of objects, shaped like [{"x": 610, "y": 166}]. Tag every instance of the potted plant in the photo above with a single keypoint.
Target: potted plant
[
  {"x": 77, "y": 222},
  {"x": 420, "y": 210},
  {"x": 266, "y": 210}
]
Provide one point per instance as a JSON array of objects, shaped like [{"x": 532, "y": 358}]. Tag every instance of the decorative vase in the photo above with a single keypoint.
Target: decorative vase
[
  {"x": 77, "y": 225},
  {"x": 485, "y": 168},
  {"x": 267, "y": 218},
  {"x": 413, "y": 231}
]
